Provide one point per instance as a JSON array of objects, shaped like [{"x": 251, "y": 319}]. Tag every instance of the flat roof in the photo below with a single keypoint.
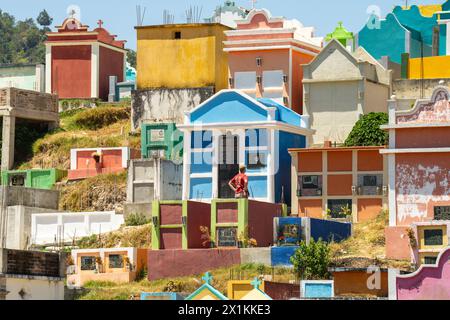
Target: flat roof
[
  {"x": 182, "y": 25},
  {"x": 337, "y": 149}
]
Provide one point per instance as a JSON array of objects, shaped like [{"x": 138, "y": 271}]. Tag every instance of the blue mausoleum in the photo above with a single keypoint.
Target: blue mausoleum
[{"x": 232, "y": 128}]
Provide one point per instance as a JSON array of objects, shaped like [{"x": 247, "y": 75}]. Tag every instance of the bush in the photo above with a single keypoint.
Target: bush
[
  {"x": 367, "y": 132},
  {"x": 311, "y": 261},
  {"x": 101, "y": 117},
  {"x": 136, "y": 219}
]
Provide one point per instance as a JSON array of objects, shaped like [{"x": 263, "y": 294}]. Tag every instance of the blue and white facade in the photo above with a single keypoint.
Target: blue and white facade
[{"x": 232, "y": 128}]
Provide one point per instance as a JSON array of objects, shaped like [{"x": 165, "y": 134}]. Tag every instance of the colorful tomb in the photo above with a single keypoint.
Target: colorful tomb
[
  {"x": 418, "y": 165},
  {"x": 266, "y": 54},
  {"x": 161, "y": 140},
  {"x": 79, "y": 62},
  {"x": 429, "y": 282},
  {"x": 90, "y": 162},
  {"x": 404, "y": 30},
  {"x": 34, "y": 178},
  {"x": 162, "y": 52},
  {"x": 118, "y": 265},
  {"x": 207, "y": 291},
  {"x": 177, "y": 225},
  {"x": 235, "y": 222},
  {"x": 341, "y": 34},
  {"x": 336, "y": 182},
  {"x": 341, "y": 86},
  {"x": 232, "y": 128}
]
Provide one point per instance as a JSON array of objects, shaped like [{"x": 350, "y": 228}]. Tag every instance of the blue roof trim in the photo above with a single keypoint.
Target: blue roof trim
[{"x": 283, "y": 114}]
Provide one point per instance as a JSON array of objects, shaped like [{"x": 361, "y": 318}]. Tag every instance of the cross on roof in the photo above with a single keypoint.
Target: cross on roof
[
  {"x": 253, "y": 3},
  {"x": 100, "y": 23},
  {"x": 256, "y": 283},
  {"x": 207, "y": 278}
]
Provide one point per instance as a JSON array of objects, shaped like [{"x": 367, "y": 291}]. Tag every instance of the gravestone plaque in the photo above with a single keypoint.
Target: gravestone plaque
[{"x": 227, "y": 237}]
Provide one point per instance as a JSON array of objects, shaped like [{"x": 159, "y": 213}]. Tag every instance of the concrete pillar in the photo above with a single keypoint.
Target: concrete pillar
[{"x": 9, "y": 130}]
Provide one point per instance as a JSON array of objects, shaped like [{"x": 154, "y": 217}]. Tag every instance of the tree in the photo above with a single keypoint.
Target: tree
[
  {"x": 367, "y": 132},
  {"x": 311, "y": 261},
  {"x": 131, "y": 58},
  {"x": 44, "y": 19}
]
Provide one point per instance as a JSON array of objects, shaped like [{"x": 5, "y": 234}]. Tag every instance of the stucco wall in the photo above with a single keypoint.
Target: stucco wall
[
  {"x": 355, "y": 282},
  {"x": 195, "y": 60},
  {"x": 166, "y": 105},
  {"x": 71, "y": 71},
  {"x": 111, "y": 64},
  {"x": 28, "y": 77},
  {"x": 411, "y": 89},
  {"x": 178, "y": 263},
  {"x": 34, "y": 288}
]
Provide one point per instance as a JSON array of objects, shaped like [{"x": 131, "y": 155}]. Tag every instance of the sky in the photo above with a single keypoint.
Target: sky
[{"x": 119, "y": 16}]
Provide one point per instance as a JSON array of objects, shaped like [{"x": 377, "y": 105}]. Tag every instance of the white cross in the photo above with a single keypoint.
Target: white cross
[{"x": 253, "y": 3}]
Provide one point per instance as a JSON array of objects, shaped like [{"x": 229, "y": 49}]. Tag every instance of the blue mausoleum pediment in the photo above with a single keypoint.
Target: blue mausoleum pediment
[{"x": 228, "y": 107}]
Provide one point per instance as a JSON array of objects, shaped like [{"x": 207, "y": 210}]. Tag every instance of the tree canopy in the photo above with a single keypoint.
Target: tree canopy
[
  {"x": 367, "y": 132},
  {"x": 23, "y": 41}
]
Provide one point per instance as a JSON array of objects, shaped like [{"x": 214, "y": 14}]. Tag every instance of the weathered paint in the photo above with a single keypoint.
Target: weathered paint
[
  {"x": 427, "y": 283},
  {"x": 162, "y": 58},
  {"x": 162, "y": 138}
]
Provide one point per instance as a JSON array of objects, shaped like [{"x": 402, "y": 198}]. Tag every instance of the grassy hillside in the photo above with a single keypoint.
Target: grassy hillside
[
  {"x": 112, "y": 291},
  {"x": 82, "y": 128}
]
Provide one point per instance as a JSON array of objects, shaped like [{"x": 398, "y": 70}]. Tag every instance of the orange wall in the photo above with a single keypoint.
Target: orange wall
[
  {"x": 397, "y": 243},
  {"x": 311, "y": 208},
  {"x": 340, "y": 185},
  {"x": 370, "y": 161},
  {"x": 355, "y": 283},
  {"x": 340, "y": 161},
  {"x": 369, "y": 209},
  {"x": 310, "y": 162},
  {"x": 298, "y": 59}
]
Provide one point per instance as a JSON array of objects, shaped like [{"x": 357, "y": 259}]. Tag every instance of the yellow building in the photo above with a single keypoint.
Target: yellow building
[
  {"x": 437, "y": 67},
  {"x": 432, "y": 238},
  {"x": 179, "y": 56}
]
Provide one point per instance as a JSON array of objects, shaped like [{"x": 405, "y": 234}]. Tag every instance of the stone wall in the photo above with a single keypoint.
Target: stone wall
[
  {"x": 165, "y": 105},
  {"x": 29, "y": 197},
  {"x": 410, "y": 89},
  {"x": 30, "y": 100},
  {"x": 31, "y": 263}
]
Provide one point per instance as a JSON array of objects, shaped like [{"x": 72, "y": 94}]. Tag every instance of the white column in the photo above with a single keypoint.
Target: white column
[
  {"x": 355, "y": 183},
  {"x": 392, "y": 106},
  {"x": 271, "y": 166},
  {"x": 9, "y": 133},
  {"x": 48, "y": 68},
  {"x": 186, "y": 164},
  {"x": 215, "y": 164},
  {"x": 294, "y": 179},
  {"x": 95, "y": 70},
  {"x": 324, "y": 183},
  {"x": 447, "y": 49}
]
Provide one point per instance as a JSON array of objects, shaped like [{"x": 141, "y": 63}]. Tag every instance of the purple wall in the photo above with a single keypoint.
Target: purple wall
[{"x": 428, "y": 283}]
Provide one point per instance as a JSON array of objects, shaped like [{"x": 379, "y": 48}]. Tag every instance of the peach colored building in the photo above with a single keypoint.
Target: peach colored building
[
  {"x": 418, "y": 166},
  {"x": 265, "y": 56},
  {"x": 326, "y": 180},
  {"x": 119, "y": 265},
  {"x": 85, "y": 163}
]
